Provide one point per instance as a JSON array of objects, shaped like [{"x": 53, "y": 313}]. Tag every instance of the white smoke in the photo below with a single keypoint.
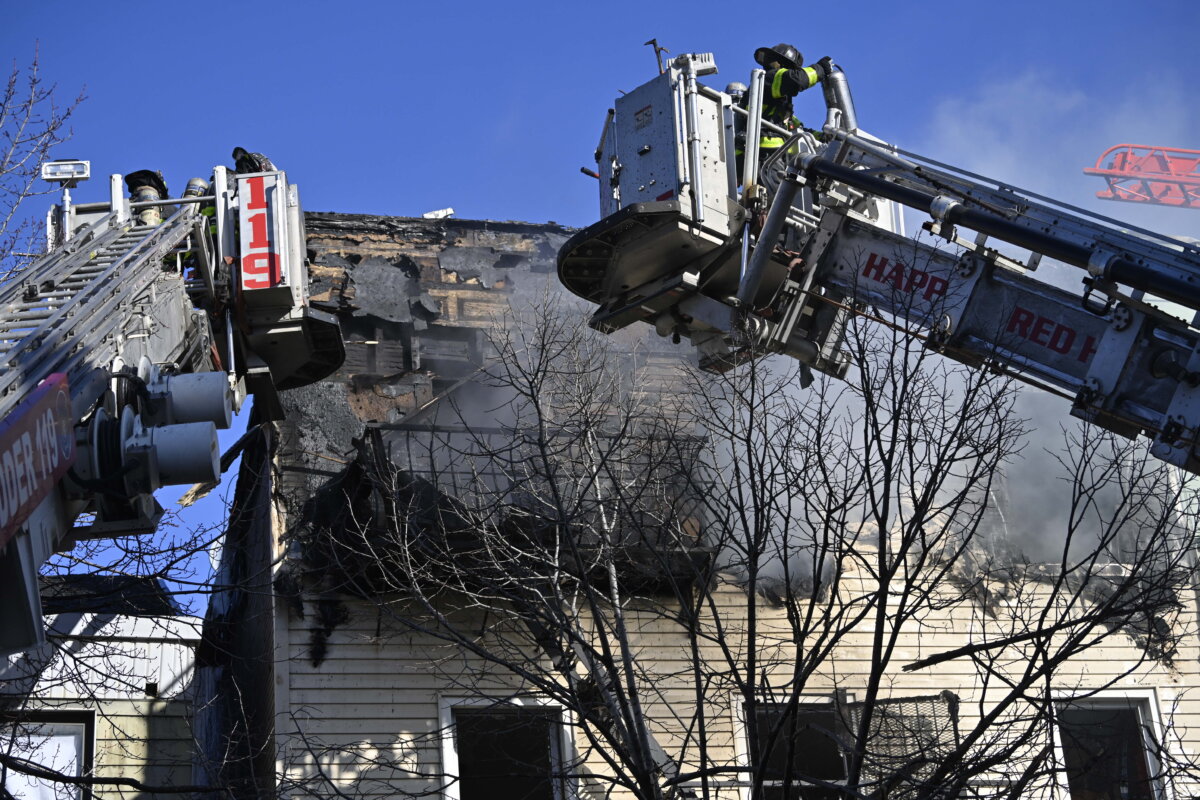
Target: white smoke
[{"x": 1037, "y": 131}]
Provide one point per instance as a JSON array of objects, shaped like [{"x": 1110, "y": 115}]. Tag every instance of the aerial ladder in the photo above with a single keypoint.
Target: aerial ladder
[
  {"x": 128, "y": 344},
  {"x": 1139, "y": 173},
  {"x": 780, "y": 259}
]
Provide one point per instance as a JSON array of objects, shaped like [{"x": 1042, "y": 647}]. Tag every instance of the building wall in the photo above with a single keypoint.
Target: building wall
[
  {"x": 235, "y": 674},
  {"x": 371, "y": 712},
  {"x": 358, "y": 698},
  {"x": 127, "y": 679}
]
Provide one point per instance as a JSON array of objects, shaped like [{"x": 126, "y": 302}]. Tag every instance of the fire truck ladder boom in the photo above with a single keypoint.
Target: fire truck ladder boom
[
  {"x": 127, "y": 346},
  {"x": 781, "y": 261},
  {"x": 66, "y": 312}
]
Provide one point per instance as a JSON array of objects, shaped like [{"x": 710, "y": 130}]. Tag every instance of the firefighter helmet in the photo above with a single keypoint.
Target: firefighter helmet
[
  {"x": 245, "y": 161},
  {"x": 147, "y": 179},
  {"x": 784, "y": 53}
]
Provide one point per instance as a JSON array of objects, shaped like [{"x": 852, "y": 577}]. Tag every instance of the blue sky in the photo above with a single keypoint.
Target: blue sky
[
  {"x": 491, "y": 108},
  {"x": 403, "y": 107}
]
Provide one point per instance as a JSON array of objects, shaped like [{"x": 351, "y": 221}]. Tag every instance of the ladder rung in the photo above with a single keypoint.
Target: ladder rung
[
  {"x": 46, "y": 307},
  {"x": 41, "y": 301},
  {"x": 26, "y": 316}
]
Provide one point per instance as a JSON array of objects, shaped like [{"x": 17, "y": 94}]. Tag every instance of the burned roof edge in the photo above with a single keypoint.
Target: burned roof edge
[{"x": 334, "y": 220}]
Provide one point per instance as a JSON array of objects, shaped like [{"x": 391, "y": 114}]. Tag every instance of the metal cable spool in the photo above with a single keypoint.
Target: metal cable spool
[
  {"x": 125, "y": 388},
  {"x": 108, "y": 465}
]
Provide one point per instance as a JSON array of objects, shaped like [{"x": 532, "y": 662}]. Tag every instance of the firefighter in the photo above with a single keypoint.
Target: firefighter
[
  {"x": 785, "y": 79},
  {"x": 147, "y": 185},
  {"x": 247, "y": 162}
]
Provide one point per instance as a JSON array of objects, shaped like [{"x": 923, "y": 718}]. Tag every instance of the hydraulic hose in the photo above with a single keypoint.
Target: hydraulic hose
[{"x": 767, "y": 238}]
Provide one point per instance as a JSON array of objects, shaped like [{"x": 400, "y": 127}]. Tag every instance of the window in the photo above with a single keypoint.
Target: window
[
  {"x": 800, "y": 750},
  {"x": 796, "y": 748},
  {"x": 907, "y": 739},
  {"x": 504, "y": 751},
  {"x": 60, "y": 741},
  {"x": 1107, "y": 749}
]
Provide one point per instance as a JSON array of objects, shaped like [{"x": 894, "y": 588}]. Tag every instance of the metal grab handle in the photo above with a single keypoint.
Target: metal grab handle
[
  {"x": 753, "y": 132},
  {"x": 692, "y": 131}
]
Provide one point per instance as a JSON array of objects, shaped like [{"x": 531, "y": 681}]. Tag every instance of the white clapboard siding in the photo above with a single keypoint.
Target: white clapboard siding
[
  {"x": 111, "y": 662},
  {"x": 369, "y": 712}
]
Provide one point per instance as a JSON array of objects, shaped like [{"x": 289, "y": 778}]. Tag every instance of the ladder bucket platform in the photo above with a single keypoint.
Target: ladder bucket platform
[{"x": 642, "y": 260}]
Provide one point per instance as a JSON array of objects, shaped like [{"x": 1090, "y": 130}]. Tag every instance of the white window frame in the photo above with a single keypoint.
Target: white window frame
[
  {"x": 562, "y": 747},
  {"x": 1145, "y": 702},
  {"x": 742, "y": 741},
  {"x": 56, "y": 722}
]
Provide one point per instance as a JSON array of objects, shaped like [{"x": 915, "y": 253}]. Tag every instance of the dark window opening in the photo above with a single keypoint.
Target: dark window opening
[
  {"x": 507, "y": 753},
  {"x": 1104, "y": 750},
  {"x": 800, "y": 751},
  {"x": 794, "y": 749}
]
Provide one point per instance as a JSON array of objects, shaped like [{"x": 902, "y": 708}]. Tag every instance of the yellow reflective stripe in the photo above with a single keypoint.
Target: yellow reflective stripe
[
  {"x": 813, "y": 79},
  {"x": 777, "y": 84},
  {"x": 771, "y": 142}
]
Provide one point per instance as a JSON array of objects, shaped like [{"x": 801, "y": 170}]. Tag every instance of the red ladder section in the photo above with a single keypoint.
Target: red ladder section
[{"x": 1140, "y": 173}]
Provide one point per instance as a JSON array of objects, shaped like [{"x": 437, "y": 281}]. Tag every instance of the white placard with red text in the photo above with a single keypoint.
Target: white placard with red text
[{"x": 261, "y": 227}]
